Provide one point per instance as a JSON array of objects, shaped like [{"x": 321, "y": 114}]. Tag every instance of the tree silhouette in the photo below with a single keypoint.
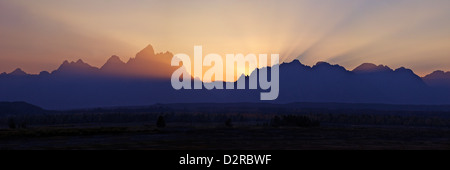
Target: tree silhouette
[
  {"x": 160, "y": 123},
  {"x": 228, "y": 123},
  {"x": 275, "y": 122}
]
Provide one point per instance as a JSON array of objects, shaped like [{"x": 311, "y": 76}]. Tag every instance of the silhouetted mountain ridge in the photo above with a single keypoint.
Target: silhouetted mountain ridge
[
  {"x": 371, "y": 68},
  {"x": 18, "y": 72},
  {"x": 139, "y": 66},
  {"x": 145, "y": 80},
  {"x": 75, "y": 68},
  {"x": 438, "y": 78}
]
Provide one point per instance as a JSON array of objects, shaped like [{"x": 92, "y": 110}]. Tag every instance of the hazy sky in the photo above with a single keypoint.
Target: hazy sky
[{"x": 39, "y": 35}]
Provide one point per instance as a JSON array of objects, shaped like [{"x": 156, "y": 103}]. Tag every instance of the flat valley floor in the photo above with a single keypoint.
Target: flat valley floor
[{"x": 206, "y": 137}]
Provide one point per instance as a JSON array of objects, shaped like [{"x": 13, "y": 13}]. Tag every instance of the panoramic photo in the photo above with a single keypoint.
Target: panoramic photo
[{"x": 224, "y": 75}]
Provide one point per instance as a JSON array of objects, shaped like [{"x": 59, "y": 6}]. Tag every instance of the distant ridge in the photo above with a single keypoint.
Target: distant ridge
[
  {"x": 438, "y": 79},
  {"x": 75, "y": 68},
  {"x": 113, "y": 66},
  {"x": 18, "y": 72},
  {"x": 371, "y": 68},
  {"x": 148, "y": 64}
]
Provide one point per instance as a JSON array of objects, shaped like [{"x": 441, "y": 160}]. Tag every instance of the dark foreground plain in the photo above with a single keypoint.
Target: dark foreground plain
[
  {"x": 244, "y": 137},
  {"x": 240, "y": 126}
]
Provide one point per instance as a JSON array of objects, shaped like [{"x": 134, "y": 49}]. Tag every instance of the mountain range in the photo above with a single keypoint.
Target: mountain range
[{"x": 145, "y": 80}]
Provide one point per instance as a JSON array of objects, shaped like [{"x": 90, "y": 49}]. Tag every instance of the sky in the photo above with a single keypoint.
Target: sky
[{"x": 40, "y": 34}]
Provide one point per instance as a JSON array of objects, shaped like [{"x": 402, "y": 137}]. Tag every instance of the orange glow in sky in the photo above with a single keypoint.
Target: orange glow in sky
[{"x": 39, "y": 35}]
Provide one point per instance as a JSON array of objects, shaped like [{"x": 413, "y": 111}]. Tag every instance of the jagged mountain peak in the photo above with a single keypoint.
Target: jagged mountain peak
[
  {"x": 438, "y": 74},
  {"x": 71, "y": 68},
  {"x": 113, "y": 61},
  {"x": 438, "y": 78},
  {"x": 18, "y": 72},
  {"x": 325, "y": 66}
]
